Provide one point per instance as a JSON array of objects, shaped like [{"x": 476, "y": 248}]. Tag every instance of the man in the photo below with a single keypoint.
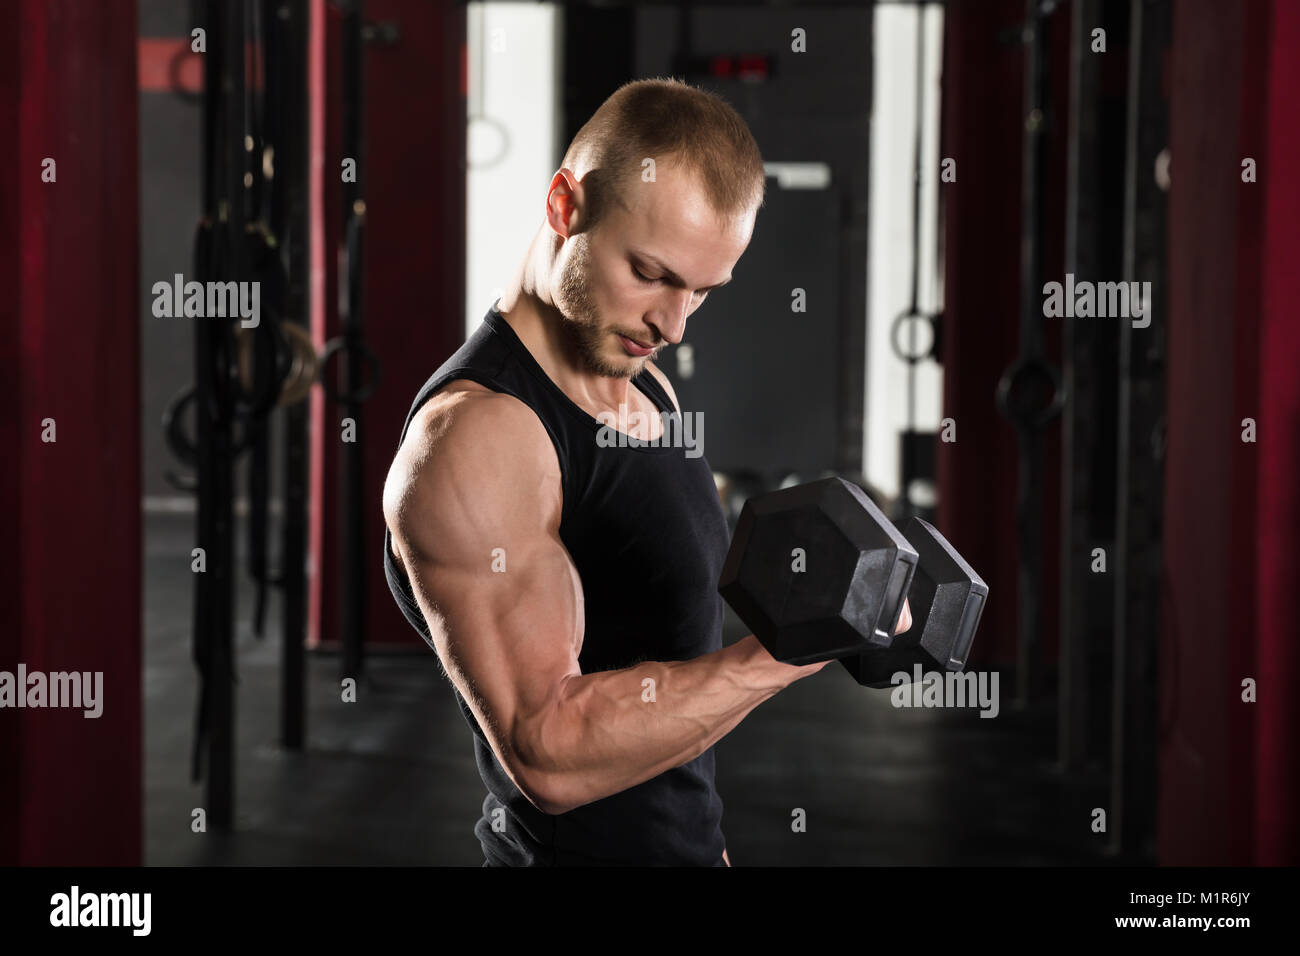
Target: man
[{"x": 568, "y": 583}]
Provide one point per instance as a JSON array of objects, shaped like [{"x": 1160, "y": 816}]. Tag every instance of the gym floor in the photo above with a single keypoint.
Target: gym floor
[{"x": 390, "y": 779}]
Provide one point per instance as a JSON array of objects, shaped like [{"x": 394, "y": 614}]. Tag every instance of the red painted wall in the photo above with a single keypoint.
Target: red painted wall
[
  {"x": 414, "y": 188},
  {"x": 1277, "y": 499},
  {"x": 1228, "y": 780},
  {"x": 70, "y": 555}
]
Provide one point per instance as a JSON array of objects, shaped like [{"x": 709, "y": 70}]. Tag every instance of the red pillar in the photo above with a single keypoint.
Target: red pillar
[
  {"x": 414, "y": 281},
  {"x": 1276, "y": 520},
  {"x": 1228, "y": 777},
  {"x": 70, "y": 584}
]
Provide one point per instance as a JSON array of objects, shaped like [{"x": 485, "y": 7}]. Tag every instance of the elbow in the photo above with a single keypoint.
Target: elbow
[
  {"x": 547, "y": 798},
  {"x": 545, "y": 791},
  {"x": 544, "y": 777}
]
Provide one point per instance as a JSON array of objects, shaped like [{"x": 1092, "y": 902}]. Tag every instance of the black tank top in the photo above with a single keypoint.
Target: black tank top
[{"x": 644, "y": 527}]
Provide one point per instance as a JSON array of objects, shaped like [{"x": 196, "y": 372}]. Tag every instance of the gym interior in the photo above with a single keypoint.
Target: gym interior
[{"x": 1025, "y": 271}]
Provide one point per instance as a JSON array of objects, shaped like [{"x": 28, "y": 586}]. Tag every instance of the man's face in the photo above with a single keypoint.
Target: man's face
[{"x": 627, "y": 286}]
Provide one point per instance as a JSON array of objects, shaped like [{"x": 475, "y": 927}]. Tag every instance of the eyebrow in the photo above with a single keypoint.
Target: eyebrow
[{"x": 673, "y": 277}]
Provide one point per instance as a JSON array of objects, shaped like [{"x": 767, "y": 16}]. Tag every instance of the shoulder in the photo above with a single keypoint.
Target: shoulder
[
  {"x": 471, "y": 444},
  {"x": 662, "y": 379},
  {"x": 467, "y": 416}
]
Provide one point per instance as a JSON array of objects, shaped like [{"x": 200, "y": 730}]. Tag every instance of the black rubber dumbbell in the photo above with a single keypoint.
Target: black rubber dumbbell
[{"x": 818, "y": 572}]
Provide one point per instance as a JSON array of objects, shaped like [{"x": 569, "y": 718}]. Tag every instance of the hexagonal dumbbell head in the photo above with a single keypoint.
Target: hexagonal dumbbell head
[
  {"x": 947, "y": 598},
  {"x": 817, "y": 571}
]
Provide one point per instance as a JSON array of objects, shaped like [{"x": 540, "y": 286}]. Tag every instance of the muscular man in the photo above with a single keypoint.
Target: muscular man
[{"x": 569, "y": 584}]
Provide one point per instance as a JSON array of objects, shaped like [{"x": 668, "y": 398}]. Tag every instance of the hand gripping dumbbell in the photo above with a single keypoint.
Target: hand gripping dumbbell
[{"x": 818, "y": 572}]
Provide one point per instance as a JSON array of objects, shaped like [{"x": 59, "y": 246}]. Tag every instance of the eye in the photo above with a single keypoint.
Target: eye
[{"x": 643, "y": 278}]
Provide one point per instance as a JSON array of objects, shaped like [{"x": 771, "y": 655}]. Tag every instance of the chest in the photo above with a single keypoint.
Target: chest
[{"x": 648, "y": 538}]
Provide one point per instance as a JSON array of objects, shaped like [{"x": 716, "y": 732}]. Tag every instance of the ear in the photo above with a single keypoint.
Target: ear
[{"x": 565, "y": 202}]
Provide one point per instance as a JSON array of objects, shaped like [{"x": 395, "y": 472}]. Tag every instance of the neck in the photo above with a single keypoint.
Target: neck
[{"x": 528, "y": 308}]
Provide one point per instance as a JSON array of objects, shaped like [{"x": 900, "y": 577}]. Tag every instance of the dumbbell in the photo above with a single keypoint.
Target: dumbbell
[{"x": 817, "y": 572}]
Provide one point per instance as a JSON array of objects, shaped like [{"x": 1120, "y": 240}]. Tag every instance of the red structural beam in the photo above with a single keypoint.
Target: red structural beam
[
  {"x": 70, "y": 555},
  {"x": 1228, "y": 781}
]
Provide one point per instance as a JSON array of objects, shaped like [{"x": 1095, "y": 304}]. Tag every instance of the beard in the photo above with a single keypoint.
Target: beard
[{"x": 580, "y": 322}]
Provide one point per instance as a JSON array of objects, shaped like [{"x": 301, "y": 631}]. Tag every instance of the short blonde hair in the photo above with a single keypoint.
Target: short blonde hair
[{"x": 667, "y": 120}]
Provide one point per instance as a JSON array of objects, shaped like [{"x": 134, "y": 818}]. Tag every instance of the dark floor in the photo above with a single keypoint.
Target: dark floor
[{"x": 391, "y": 779}]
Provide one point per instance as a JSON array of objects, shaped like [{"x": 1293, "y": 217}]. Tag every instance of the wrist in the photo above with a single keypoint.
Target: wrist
[{"x": 764, "y": 671}]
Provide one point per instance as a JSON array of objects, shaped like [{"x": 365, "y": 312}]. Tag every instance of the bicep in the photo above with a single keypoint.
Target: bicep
[
  {"x": 475, "y": 516},
  {"x": 506, "y": 621}
]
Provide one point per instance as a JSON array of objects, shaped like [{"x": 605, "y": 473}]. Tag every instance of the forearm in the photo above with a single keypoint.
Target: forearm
[{"x": 612, "y": 730}]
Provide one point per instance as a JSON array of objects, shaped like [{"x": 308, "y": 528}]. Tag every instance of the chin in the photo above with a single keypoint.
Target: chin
[
  {"x": 632, "y": 369},
  {"x": 631, "y": 366},
  {"x": 617, "y": 358},
  {"x": 614, "y": 364}
]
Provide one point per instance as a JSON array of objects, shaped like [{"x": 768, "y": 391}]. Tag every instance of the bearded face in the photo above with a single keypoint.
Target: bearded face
[
  {"x": 594, "y": 342},
  {"x": 627, "y": 284}
]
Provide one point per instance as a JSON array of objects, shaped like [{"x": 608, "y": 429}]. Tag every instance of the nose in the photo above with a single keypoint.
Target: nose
[{"x": 670, "y": 319}]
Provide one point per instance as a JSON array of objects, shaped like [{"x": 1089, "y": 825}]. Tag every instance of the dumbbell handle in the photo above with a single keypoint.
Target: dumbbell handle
[{"x": 947, "y": 599}]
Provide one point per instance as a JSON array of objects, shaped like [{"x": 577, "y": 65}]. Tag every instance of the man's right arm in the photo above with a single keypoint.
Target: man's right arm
[{"x": 477, "y": 473}]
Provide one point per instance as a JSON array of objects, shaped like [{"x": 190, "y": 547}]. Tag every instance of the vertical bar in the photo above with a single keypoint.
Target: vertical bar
[
  {"x": 855, "y": 347},
  {"x": 228, "y": 232},
  {"x": 1029, "y": 498},
  {"x": 294, "y": 172},
  {"x": 355, "y": 549},
  {"x": 319, "y": 262},
  {"x": 1139, "y": 462},
  {"x": 1078, "y": 377}
]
